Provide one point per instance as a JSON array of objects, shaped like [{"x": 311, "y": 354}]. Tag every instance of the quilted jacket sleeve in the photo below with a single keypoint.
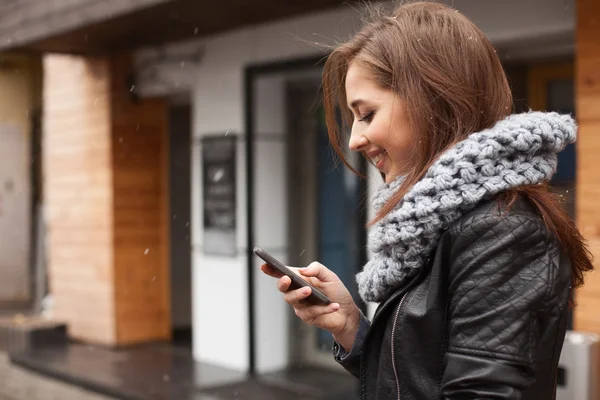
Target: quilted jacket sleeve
[
  {"x": 503, "y": 274},
  {"x": 351, "y": 360}
]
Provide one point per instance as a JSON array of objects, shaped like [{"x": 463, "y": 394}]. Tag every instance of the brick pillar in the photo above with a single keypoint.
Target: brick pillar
[
  {"x": 587, "y": 75},
  {"x": 105, "y": 199}
]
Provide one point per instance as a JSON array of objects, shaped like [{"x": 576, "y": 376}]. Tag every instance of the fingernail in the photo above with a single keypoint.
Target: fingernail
[
  {"x": 305, "y": 291},
  {"x": 335, "y": 306}
]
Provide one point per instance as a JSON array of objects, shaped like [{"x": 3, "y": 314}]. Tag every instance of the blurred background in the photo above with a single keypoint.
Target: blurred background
[{"x": 146, "y": 146}]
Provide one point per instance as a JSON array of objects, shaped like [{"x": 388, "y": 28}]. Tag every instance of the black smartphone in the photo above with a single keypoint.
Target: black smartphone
[{"x": 316, "y": 297}]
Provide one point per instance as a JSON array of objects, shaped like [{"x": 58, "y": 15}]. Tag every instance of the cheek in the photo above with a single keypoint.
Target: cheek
[
  {"x": 402, "y": 155},
  {"x": 397, "y": 142},
  {"x": 395, "y": 136},
  {"x": 402, "y": 150},
  {"x": 402, "y": 140},
  {"x": 381, "y": 134},
  {"x": 403, "y": 143}
]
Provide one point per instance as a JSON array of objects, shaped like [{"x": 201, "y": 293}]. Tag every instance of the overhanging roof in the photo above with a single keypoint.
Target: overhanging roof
[{"x": 92, "y": 26}]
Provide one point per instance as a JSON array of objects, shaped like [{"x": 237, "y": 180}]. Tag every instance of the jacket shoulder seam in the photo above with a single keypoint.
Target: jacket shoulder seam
[
  {"x": 461, "y": 226},
  {"x": 489, "y": 354}
]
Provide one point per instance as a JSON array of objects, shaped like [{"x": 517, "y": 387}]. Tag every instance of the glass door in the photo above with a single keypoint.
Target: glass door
[
  {"x": 327, "y": 215},
  {"x": 340, "y": 220}
]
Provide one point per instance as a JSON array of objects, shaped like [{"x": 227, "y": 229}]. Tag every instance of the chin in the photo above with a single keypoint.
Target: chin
[{"x": 389, "y": 178}]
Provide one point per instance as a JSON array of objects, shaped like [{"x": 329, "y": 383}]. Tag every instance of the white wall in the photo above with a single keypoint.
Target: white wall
[
  {"x": 520, "y": 20},
  {"x": 220, "y": 312}
]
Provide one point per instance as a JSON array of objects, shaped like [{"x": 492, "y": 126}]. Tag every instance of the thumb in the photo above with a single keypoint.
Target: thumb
[{"x": 319, "y": 271}]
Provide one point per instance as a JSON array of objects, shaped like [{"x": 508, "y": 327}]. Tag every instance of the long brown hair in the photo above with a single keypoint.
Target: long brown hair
[{"x": 452, "y": 84}]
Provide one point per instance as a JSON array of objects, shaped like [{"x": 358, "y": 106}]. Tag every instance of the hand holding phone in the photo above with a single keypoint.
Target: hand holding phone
[
  {"x": 316, "y": 296},
  {"x": 335, "y": 312}
]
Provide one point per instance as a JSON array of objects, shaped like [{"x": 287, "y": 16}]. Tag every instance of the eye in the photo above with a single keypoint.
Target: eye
[{"x": 367, "y": 117}]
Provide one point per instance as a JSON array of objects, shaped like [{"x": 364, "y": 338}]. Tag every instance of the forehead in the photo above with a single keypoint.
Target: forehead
[{"x": 360, "y": 84}]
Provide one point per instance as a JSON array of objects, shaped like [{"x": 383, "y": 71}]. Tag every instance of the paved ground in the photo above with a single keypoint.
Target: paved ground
[{"x": 20, "y": 384}]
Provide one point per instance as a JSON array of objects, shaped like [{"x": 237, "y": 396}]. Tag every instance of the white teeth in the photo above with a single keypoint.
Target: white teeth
[{"x": 378, "y": 157}]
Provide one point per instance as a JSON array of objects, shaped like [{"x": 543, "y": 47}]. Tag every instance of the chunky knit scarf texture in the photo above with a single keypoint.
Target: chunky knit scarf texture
[{"x": 519, "y": 150}]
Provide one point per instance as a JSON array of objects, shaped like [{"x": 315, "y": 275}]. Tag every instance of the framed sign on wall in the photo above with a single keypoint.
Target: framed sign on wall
[{"x": 219, "y": 194}]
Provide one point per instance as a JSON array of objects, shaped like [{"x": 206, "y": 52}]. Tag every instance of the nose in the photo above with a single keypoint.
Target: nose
[{"x": 357, "y": 141}]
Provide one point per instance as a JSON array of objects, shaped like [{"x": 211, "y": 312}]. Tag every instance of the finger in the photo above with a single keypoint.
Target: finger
[
  {"x": 310, "y": 313},
  {"x": 295, "y": 297},
  {"x": 268, "y": 270},
  {"x": 319, "y": 271},
  {"x": 283, "y": 284}
]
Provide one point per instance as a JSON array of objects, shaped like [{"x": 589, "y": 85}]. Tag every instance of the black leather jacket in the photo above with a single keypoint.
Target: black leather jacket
[{"x": 485, "y": 320}]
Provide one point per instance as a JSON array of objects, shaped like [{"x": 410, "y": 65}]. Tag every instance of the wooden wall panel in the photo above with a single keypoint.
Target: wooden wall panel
[
  {"x": 78, "y": 195},
  {"x": 106, "y": 191},
  {"x": 587, "y": 75},
  {"x": 140, "y": 190}
]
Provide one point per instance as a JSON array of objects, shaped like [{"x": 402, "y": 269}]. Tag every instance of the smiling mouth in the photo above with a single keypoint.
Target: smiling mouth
[{"x": 378, "y": 158}]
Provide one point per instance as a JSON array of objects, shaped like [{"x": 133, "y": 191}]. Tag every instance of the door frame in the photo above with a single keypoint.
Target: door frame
[
  {"x": 181, "y": 100},
  {"x": 538, "y": 75},
  {"x": 251, "y": 73}
]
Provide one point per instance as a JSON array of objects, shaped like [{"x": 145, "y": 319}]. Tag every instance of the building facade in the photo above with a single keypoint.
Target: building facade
[
  {"x": 20, "y": 101},
  {"x": 174, "y": 142}
]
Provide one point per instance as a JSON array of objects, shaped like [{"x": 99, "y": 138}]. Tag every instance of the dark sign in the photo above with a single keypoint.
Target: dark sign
[{"x": 219, "y": 194}]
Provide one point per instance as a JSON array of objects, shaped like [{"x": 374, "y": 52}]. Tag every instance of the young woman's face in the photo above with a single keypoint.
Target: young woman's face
[{"x": 380, "y": 129}]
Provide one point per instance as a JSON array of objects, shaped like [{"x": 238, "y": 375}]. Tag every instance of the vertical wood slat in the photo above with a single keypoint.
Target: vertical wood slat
[
  {"x": 142, "y": 278},
  {"x": 587, "y": 314}
]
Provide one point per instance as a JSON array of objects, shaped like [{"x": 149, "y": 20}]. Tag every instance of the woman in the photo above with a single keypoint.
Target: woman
[{"x": 473, "y": 260}]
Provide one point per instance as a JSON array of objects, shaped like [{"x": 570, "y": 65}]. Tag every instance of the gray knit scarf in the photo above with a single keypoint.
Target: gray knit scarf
[{"x": 519, "y": 150}]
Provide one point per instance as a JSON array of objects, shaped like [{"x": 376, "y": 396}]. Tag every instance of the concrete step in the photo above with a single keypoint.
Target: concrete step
[{"x": 20, "y": 333}]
